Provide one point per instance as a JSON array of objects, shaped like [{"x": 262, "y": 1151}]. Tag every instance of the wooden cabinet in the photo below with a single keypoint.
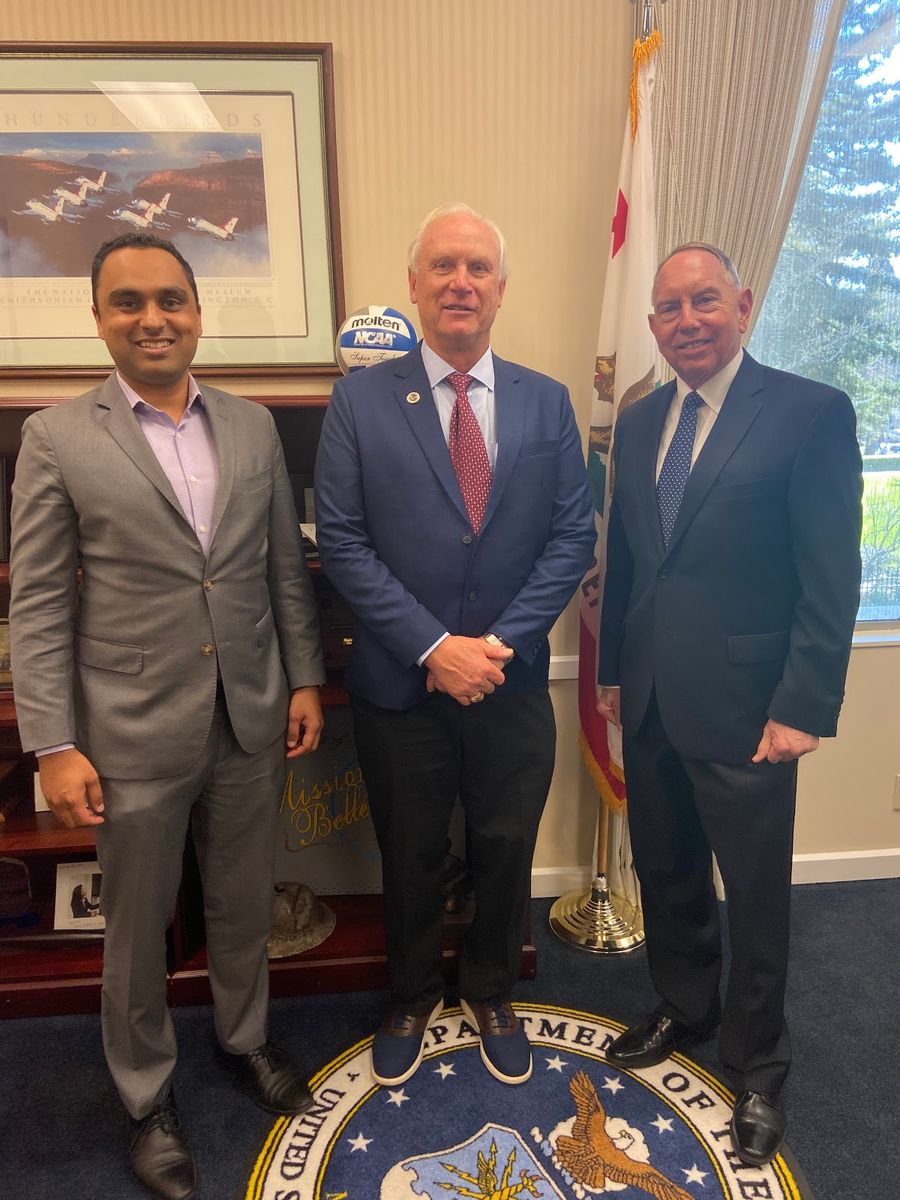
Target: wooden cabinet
[{"x": 43, "y": 971}]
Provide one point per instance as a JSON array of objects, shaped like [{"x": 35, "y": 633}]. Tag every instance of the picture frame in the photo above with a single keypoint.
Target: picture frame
[
  {"x": 228, "y": 151},
  {"x": 77, "y": 899}
]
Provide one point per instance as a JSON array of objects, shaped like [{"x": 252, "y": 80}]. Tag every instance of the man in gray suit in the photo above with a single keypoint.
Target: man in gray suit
[{"x": 157, "y": 686}]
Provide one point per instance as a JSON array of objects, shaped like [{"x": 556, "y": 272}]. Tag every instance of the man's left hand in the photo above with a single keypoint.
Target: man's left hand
[
  {"x": 782, "y": 743},
  {"x": 304, "y": 718}
]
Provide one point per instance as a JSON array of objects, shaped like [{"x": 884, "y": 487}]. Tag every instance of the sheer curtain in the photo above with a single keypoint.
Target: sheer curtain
[{"x": 739, "y": 86}]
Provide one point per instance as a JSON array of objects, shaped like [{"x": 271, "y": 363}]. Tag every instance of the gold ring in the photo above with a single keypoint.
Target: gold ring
[{"x": 477, "y": 698}]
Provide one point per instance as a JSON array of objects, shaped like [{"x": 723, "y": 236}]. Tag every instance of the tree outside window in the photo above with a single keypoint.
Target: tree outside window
[{"x": 832, "y": 311}]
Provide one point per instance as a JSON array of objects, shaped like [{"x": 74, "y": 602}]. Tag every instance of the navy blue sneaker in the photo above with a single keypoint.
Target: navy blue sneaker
[
  {"x": 505, "y": 1049},
  {"x": 397, "y": 1048}
]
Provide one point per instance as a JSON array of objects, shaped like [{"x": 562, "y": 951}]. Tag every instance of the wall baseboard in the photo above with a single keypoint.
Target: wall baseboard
[
  {"x": 839, "y": 866},
  {"x": 556, "y": 881}
]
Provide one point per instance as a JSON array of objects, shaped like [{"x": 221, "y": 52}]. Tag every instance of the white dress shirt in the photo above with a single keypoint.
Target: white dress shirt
[
  {"x": 481, "y": 395},
  {"x": 713, "y": 394}
]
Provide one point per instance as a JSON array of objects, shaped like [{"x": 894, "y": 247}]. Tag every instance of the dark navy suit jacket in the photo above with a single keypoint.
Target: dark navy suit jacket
[
  {"x": 750, "y": 612},
  {"x": 395, "y": 540}
]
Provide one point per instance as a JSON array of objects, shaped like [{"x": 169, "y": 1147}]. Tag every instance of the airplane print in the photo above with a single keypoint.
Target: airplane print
[{"x": 82, "y": 186}]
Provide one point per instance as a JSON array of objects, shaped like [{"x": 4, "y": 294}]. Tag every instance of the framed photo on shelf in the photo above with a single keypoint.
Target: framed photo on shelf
[
  {"x": 227, "y": 151},
  {"x": 77, "y": 904}
]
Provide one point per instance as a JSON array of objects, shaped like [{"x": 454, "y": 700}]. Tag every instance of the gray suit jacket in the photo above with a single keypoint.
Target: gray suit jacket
[{"x": 123, "y": 662}]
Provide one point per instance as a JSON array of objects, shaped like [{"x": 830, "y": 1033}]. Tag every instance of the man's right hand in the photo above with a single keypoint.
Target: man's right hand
[
  {"x": 71, "y": 787},
  {"x": 464, "y": 667},
  {"x": 608, "y": 705}
]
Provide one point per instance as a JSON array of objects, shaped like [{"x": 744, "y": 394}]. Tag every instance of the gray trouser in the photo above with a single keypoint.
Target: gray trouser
[{"x": 231, "y": 799}]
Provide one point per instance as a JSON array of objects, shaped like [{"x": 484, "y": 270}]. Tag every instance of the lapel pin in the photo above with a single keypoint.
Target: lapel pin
[{"x": 413, "y": 397}]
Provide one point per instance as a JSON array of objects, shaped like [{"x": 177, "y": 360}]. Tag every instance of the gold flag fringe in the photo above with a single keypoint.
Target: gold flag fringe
[
  {"x": 609, "y": 797},
  {"x": 641, "y": 54}
]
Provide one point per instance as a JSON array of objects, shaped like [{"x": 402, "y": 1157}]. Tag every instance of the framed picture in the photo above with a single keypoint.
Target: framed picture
[
  {"x": 78, "y": 896},
  {"x": 227, "y": 151}
]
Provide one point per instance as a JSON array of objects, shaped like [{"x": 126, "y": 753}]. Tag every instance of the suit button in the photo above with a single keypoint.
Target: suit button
[
  {"x": 208, "y": 585},
  {"x": 467, "y": 539},
  {"x": 472, "y": 596},
  {"x": 207, "y": 648},
  {"x": 663, "y": 573}
]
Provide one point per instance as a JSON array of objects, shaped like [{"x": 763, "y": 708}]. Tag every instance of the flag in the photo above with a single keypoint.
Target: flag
[{"x": 625, "y": 370}]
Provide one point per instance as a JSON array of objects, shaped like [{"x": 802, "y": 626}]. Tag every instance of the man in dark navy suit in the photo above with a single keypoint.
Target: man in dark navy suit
[
  {"x": 732, "y": 587},
  {"x": 453, "y": 514}
]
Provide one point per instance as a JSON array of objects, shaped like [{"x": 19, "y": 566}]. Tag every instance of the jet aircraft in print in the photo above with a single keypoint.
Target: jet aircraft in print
[
  {"x": 225, "y": 233},
  {"x": 90, "y": 184},
  {"x": 162, "y": 206},
  {"x": 141, "y": 221},
  {"x": 73, "y": 198},
  {"x": 37, "y": 208}
]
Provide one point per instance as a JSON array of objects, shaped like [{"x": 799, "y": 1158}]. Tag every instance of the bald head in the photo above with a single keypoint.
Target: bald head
[{"x": 700, "y": 312}]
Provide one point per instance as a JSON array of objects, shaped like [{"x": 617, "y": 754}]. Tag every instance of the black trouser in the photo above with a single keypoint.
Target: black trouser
[
  {"x": 497, "y": 756},
  {"x": 679, "y": 810}
]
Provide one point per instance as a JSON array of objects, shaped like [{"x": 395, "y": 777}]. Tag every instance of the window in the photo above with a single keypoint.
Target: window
[{"x": 833, "y": 309}]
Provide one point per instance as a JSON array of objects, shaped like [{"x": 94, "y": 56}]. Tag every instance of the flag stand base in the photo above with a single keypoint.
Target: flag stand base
[{"x": 597, "y": 920}]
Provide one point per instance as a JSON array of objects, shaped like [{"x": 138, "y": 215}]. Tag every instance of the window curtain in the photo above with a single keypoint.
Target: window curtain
[{"x": 738, "y": 92}]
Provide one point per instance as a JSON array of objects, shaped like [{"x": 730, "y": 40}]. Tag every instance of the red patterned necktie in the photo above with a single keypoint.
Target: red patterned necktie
[{"x": 468, "y": 453}]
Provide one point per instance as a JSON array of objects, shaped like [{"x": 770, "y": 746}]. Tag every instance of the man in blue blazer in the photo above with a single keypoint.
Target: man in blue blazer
[
  {"x": 453, "y": 513},
  {"x": 732, "y": 587}
]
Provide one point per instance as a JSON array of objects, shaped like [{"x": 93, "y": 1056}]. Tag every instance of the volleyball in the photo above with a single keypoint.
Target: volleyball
[{"x": 373, "y": 335}]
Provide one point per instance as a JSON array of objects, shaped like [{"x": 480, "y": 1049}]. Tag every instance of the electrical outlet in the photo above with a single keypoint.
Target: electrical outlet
[{"x": 897, "y": 793}]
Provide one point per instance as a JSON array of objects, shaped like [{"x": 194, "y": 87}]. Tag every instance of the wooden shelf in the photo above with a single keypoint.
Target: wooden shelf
[
  {"x": 43, "y": 971},
  {"x": 291, "y": 401},
  {"x": 351, "y": 959},
  {"x": 55, "y": 978},
  {"x": 41, "y": 833}
]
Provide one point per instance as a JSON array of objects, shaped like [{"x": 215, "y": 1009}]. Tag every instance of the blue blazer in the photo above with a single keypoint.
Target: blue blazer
[
  {"x": 750, "y": 611},
  {"x": 395, "y": 540}
]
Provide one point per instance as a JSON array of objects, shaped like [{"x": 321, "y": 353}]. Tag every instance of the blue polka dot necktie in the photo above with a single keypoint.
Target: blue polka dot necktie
[
  {"x": 468, "y": 452},
  {"x": 677, "y": 466}
]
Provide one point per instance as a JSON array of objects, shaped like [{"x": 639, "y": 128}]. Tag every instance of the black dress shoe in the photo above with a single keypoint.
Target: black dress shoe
[
  {"x": 270, "y": 1078},
  {"x": 159, "y": 1157},
  {"x": 652, "y": 1041},
  {"x": 757, "y": 1127}
]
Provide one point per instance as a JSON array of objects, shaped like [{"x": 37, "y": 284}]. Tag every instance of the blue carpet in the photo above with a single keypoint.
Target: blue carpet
[{"x": 63, "y": 1133}]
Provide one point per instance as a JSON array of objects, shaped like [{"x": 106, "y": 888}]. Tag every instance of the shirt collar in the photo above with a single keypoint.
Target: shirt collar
[
  {"x": 134, "y": 399},
  {"x": 437, "y": 370},
  {"x": 715, "y": 389}
]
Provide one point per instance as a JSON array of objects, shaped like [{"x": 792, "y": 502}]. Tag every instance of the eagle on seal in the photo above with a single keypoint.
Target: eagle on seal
[{"x": 591, "y": 1156}]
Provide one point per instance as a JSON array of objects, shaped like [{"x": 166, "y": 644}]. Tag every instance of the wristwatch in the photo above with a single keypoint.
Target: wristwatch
[{"x": 492, "y": 639}]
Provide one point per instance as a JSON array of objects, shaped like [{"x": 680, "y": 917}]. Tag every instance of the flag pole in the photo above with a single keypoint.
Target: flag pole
[
  {"x": 647, "y": 24},
  {"x": 647, "y": 17},
  {"x": 596, "y": 919}
]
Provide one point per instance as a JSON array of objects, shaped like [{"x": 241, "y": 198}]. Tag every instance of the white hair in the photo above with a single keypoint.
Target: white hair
[{"x": 448, "y": 210}]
